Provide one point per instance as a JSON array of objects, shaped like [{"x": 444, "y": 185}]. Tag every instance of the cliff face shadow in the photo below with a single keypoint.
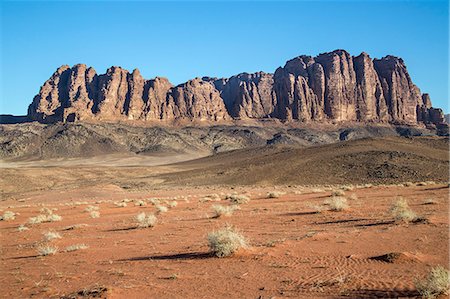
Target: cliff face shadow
[{"x": 9, "y": 119}]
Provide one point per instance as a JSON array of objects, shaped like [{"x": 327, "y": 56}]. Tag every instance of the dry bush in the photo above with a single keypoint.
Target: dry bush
[
  {"x": 161, "y": 209},
  {"x": 401, "y": 211},
  {"x": 337, "y": 203},
  {"x": 120, "y": 204},
  {"x": 347, "y": 187},
  {"x": 47, "y": 250},
  {"x": 51, "y": 235},
  {"x": 226, "y": 241},
  {"x": 8, "y": 215},
  {"x": 353, "y": 196},
  {"x": 220, "y": 210},
  {"x": 140, "y": 203},
  {"x": 436, "y": 283},
  {"x": 22, "y": 228},
  {"x": 91, "y": 208},
  {"x": 316, "y": 208},
  {"x": 172, "y": 204},
  {"x": 338, "y": 193},
  {"x": 408, "y": 184},
  {"x": 75, "y": 247},
  {"x": 94, "y": 214},
  {"x": 238, "y": 199},
  {"x": 274, "y": 194},
  {"x": 145, "y": 220},
  {"x": 210, "y": 197},
  {"x": 46, "y": 216}
]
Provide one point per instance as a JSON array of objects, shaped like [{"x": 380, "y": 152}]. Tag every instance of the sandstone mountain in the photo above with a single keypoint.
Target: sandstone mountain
[{"x": 332, "y": 87}]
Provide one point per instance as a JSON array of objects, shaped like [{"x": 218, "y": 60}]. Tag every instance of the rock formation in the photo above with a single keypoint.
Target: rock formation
[{"x": 333, "y": 86}]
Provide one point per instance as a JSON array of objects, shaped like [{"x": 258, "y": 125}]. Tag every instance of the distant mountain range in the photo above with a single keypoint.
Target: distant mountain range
[{"x": 331, "y": 87}]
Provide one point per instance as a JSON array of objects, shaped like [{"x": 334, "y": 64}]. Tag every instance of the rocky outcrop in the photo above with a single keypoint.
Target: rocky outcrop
[{"x": 334, "y": 87}]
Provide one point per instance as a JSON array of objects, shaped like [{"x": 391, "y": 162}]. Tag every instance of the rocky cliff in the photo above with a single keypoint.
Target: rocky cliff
[{"x": 335, "y": 87}]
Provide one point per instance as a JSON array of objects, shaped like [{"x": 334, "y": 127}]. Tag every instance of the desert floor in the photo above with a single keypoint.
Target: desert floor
[{"x": 295, "y": 251}]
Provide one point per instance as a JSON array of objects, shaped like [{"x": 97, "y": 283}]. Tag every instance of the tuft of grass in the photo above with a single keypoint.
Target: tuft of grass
[
  {"x": 338, "y": 193},
  {"x": 226, "y": 241},
  {"x": 274, "y": 194},
  {"x": 161, "y": 209},
  {"x": 140, "y": 203},
  {"x": 172, "y": 204},
  {"x": 337, "y": 203},
  {"x": 220, "y": 210},
  {"x": 8, "y": 215},
  {"x": 94, "y": 214},
  {"x": 22, "y": 228},
  {"x": 46, "y": 216},
  {"x": 353, "y": 196},
  {"x": 45, "y": 250},
  {"x": 347, "y": 187},
  {"x": 436, "y": 283},
  {"x": 120, "y": 204},
  {"x": 401, "y": 211},
  {"x": 408, "y": 184},
  {"x": 238, "y": 199},
  {"x": 145, "y": 220},
  {"x": 91, "y": 208},
  {"x": 75, "y": 247},
  {"x": 51, "y": 235},
  {"x": 316, "y": 208}
]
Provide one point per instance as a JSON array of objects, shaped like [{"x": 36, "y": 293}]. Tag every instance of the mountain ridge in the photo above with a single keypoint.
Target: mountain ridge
[{"x": 331, "y": 87}]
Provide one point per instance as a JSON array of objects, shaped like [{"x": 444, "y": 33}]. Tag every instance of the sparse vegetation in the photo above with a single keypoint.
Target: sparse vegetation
[
  {"x": 120, "y": 204},
  {"x": 401, "y": 211},
  {"x": 51, "y": 235},
  {"x": 145, "y": 220},
  {"x": 172, "y": 204},
  {"x": 238, "y": 199},
  {"x": 46, "y": 216},
  {"x": 338, "y": 193},
  {"x": 220, "y": 210},
  {"x": 45, "y": 250},
  {"x": 314, "y": 207},
  {"x": 94, "y": 214},
  {"x": 8, "y": 215},
  {"x": 274, "y": 194},
  {"x": 436, "y": 283},
  {"x": 337, "y": 203},
  {"x": 71, "y": 227},
  {"x": 161, "y": 209},
  {"x": 91, "y": 208},
  {"x": 22, "y": 228},
  {"x": 226, "y": 241},
  {"x": 76, "y": 247},
  {"x": 140, "y": 203}
]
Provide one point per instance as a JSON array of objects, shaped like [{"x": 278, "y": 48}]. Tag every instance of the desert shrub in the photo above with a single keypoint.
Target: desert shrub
[
  {"x": 120, "y": 204},
  {"x": 145, "y": 220},
  {"x": 338, "y": 193},
  {"x": 22, "y": 228},
  {"x": 47, "y": 250},
  {"x": 225, "y": 241},
  {"x": 161, "y": 209},
  {"x": 91, "y": 208},
  {"x": 8, "y": 215},
  {"x": 238, "y": 199},
  {"x": 94, "y": 214},
  {"x": 76, "y": 247},
  {"x": 408, "y": 184},
  {"x": 172, "y": 204},
  {"x": 347, "y": 188},
  {"x": 210, "y": 197},
  {"x": 220, "y": 210},
  {"x": 353, "y": 196},
  {"x": 274, "y": 194},
  {"x": 51, "y": 235},
  {"x": 436, "y": 283},
  {"x": 46, "y": 216},
  {"x": 337, "y": 203},
  {"x": 401, "y": 211},
  {"x": 140, "y": 203}
]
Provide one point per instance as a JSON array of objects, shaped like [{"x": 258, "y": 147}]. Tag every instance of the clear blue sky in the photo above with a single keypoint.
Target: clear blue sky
[{"x": 182, "y": 40}]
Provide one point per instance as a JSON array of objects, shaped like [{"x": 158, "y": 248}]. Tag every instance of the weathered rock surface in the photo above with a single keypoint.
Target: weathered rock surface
[{"x": 333, "y": 87}]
